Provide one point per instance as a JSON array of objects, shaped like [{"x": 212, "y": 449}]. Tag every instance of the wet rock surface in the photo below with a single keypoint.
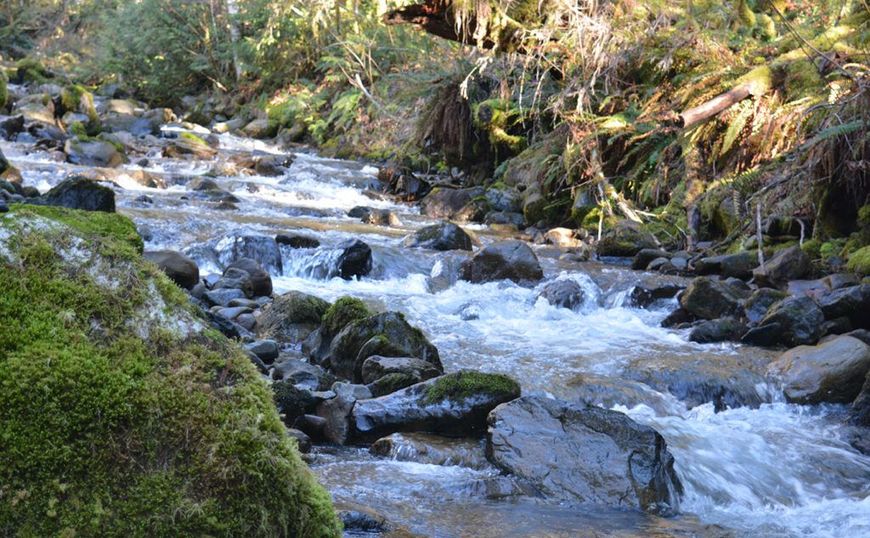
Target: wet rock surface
[{"x": 508, "y": 260}]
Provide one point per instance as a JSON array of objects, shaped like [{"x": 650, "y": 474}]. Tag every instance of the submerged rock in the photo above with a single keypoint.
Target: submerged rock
[
  {"x": 832, "y": 371},
  {"x": 442, "y": 236},
  {"x": 508, "y": 260},
  {"x": 453, "y": 404},
  {"x": 598, "y": 456},
  {"x": 432, "y": 450}
]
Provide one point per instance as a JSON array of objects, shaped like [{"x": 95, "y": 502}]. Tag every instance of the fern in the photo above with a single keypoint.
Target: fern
[{"x": 735, "y": 127}]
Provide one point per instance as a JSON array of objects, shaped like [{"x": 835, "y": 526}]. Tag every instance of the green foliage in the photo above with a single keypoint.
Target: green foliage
[
  {"x": 344, "y": 311},
  {"x": 4, "y": 92},
  {"x": 113, "y": 424},
  {"x": 859, "y": 261},
  {"x": 460, "y": 386}
]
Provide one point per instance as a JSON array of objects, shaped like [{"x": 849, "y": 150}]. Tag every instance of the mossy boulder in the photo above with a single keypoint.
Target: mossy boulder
[
  {"x": 79, "y": 192},
  {"x": 345, "y": 310},
  {"x": 291, "y": 317},
  {"x": 122, "y": 413},
  {"x": 31, "y": 70},
  {"x": 4, "y": 92},
  {"x": 189, "y": 144},
  {"x": 626, "y": 238},
  {"x": 387, "y": 334},
  {"x": 88, "y": 151},
  {"x": 859, "y": 261},
  {"x": 77, "y": 99}
]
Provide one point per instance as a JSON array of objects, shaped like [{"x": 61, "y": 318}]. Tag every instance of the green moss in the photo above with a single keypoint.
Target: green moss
[
  {"x": 391, "y": 383},
  {"x": 108, "y": 432},
  {"x": 4, "y": 91},
  {"x": 31, "y": 70},
  {"x": 460, "y": 386},
  {"x": 859, "y": 261},
  {"x": 812, "y": 248},
  {"x": 344, "y": 311},
  {"x": 830, "y": 249},
  {"x": 192, "y": 138}
]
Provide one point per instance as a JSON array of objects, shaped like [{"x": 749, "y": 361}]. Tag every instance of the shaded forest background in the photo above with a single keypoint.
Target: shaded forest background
[{"x": 596, "y": 111}]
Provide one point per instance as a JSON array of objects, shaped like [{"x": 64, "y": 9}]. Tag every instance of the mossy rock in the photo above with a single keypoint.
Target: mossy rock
[
  {"x": 460, "y": 386},
  {"x": 859, "y": 261},
  {"x": 812, "y": 248},
  {"x": 77, "y": 98},
  {"x": 344, "y": 311},
  {"x": 31, "y": 70},
  {"x": 291, "y": 316},
  {"x": 123, "y": 414}
]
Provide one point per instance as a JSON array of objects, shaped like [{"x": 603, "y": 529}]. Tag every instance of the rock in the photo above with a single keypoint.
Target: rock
[
  {"x": 562, "y": 237},
  {"x": 363, "y": 521},
  {"x": 759, "y": 303},
  {"x": 643, "y": 258},
  {"x": 861, "y": 334},
  {"x": 599, "y": 456},
  {"x": 93, "y": 152},
  {"x": 625, "y": 239},
  {"x": 337, "y": 411},
  {"x": 291, "y": 317},
  {"x": 376, "y": 367},
  {"x": 708, "y": 298},
  {"x": 441, "y": 236},
  {"x": 178, "y": 267},
  {"x": 841, "y": 280},
  {"x": 650, "y": 290},
  {"x": 852, "y": 303},
  {"x": 223, "y": 297},
  {"x": 370, "y": 215},
  {"x": 738, "y": 265},
  {"x": 302, "y": 373},
  {"x": 292, "y": 401},
  {"x": 11, "y": 126},
  {"x": 386, "y": 334},
  {"x": 261, "y": 282},
  {"x": 607, "y": 392},
  {"x": 563, "y": 293},
  {"x": 266, "y": 350},
  {"x": 259, "y": 128},
  {"x": 859, "y": 411},
  {"x": 798, "y": 319},
  {"x": 80, "y": 193},
  {"x": 189, "y": 144},
  {"x": 303, "y": 442},
  {"x": 452, "y": 404},
  {"x": 431, "y": 450},
  {"x": 505, "y": 218},
  {"x": 510, "y": 260},
  {"x": 788, "y": 264},
  {"x": 272, "y": 165},
  {"x": 312, "y": 426},
  {"x": 297, "y": 241},
  {"x": 203, "y": 184},
  {"x": 354, "y": 259},
  {"x": 717, "y": 330},
  {"x": 452, "y": 204},
  {"x": 725, "y": 380},
  {"x": 833, "y": 371},
  {"x": 260, "y": 248},
  {"x": 678, "y": 318},
  {"x": 135, "y": 125}
]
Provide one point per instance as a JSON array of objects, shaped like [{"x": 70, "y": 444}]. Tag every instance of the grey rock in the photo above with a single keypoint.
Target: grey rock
[
  {"x": 507, "y": 260},
  {"x": 564, "y": 293},
  {"x": 178, "y": 267},
  {"x": 442, "y": 236}
]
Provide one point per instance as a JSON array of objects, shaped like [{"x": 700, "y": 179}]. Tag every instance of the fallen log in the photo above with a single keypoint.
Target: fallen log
[{"x": 757, "y": 82}]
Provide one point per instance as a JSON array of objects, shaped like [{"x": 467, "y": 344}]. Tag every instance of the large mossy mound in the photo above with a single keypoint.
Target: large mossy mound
[{"x": 122, "y": 414}]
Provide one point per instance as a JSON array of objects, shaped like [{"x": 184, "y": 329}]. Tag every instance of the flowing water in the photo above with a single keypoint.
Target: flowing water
[{"x": 778, "y": 470}]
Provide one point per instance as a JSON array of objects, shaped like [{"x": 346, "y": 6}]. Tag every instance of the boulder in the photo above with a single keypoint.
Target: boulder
[
  {"x": 599, "y": 456},
  {"x": 791, "y": 263},
  {"x": 247, "y": 275},
  {"x": 453, "y": 204},
  {"x": 223, "y": 296},
  {"x": 178, "y": 267},
  {"x": 759, "y": 303},
  {"x": 564, "y": 293},
  {"x": 376, "y": 367},
  {"x": 739, "y": 265},
  {"x": 386, "y": 334},
  {"x": 643, "y": 258},
  {"x": 130, "y": 123},
  {"x": 859, "y": 411},
  {"x": 291, "y": 317},
  {"x": 292, "y": 401},
  {"x": 511, "y": 260},
  {"x": 441, "y": 236},
  {"x": 852, "y": 303},
  {"x": 261, "y": 248},
  {"x": 452, "y": 404},
  {"x": 80, "y": 193},
  {"x": 303, "y": 374},
  {"x": 708, "y": 298},
  {"x": 378, "y": 217},
  {"x": 832, "y": 371},
  {"x": 797, "y": 321},
  {"x": 93, "y": 152},
  {"x": 272, "y": 165},
  {"x": 189, "y": 144},
  {"x": 655, "y": 288},
  {"x": 260, "y": 128},
  {"x": 717, "y": 330},
  {"x": 336, "y": 411},
  {"x": 354, "y": 259},
  {"x": 562, "y": 237},
  {"x": 266, "y": 350},
  {"x": 626, "y": 238}
]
